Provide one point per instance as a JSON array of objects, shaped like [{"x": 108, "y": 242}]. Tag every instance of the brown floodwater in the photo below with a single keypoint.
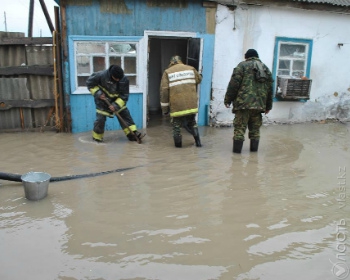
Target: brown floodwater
[{"x": 179, "y": 214}]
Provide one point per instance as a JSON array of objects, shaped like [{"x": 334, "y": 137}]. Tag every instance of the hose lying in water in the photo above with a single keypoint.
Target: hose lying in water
[{"x": 17, "y": 177}]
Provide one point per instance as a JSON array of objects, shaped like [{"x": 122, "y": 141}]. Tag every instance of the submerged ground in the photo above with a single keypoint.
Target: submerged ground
[{"x": 190, "y": 213}]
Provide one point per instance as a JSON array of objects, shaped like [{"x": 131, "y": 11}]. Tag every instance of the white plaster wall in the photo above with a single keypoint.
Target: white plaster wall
[{"x": 256, "y": 27}]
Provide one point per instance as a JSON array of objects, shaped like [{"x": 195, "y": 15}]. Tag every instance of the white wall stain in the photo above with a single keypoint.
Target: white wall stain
[{"x": 257, "y": 27}]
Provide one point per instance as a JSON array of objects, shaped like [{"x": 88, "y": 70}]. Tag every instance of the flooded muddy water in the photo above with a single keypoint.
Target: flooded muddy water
[{"x": 190, "y": 213}]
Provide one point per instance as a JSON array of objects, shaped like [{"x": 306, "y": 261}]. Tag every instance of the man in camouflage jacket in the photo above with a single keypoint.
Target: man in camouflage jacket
[
  {"x": 111, "y": 85},
  {"x": 178, "y": 96},
  {"x": 250, "y": 91}
]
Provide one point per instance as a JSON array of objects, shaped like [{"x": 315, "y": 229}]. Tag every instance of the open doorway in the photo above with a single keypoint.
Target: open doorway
[{"x": 161, "y": 49}]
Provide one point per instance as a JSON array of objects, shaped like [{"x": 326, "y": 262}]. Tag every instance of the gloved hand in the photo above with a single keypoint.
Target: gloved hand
[
  {"x": 112, "y": 107},
  {"x": 165, "y": 110}
]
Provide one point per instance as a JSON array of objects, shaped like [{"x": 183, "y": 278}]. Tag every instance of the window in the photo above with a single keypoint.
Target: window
[
  {"x": 93, "y": 56},
  {"x": 292, "y": 57}
]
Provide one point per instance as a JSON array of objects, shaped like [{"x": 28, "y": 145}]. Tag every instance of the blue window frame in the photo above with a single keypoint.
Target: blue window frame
[
  {"x": 292, "y": 58},
  {"x": 92, "y": 54}
]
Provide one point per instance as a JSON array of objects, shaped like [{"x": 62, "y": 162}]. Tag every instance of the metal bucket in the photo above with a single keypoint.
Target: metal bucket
[{"x": 36, "y": 185}]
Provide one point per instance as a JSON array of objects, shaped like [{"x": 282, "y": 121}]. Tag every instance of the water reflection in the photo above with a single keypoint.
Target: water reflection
[{"x": 185, "y": 213}]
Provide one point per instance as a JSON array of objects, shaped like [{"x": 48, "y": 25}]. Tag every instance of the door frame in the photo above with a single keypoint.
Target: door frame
[{"x": 145, "y": 58}]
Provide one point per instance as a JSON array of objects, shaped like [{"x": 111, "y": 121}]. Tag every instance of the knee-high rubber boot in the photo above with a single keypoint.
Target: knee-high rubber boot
[
  {"x": 254, "y": 145},
  {"x": 196, "y": 137},
  {"x": 237, "y": 146},
  {"x": 178, "y": 141}
]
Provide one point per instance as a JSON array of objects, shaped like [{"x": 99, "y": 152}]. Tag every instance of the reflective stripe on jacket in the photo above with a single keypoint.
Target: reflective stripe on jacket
[{"x": 117, "y": 92}]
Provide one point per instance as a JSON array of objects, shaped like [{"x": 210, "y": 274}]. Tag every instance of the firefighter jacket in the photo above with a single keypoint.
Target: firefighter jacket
[
  {"x": 178, "y": 90},
  {"x": 245, "y": 90},
  {"x": 117, "y": 93}
]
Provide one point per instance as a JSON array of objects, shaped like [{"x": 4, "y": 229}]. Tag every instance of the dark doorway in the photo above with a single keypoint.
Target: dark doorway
[{"x": 160, "y": 52}]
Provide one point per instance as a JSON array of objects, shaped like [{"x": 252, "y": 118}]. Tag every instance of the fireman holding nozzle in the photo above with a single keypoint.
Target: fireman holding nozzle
[
  {"x": 178, "y": 97},
  {"x": 113, "y": 86}
]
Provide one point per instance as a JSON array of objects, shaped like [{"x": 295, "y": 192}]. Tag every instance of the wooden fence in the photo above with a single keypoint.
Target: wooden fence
[{"x": 31, "y": 96}]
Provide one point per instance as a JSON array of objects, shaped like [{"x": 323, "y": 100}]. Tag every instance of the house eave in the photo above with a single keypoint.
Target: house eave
[{"x": 337, "y": 6}]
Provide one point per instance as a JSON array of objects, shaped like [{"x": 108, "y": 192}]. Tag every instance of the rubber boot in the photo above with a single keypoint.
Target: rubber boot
[
  {"x": 254, "y": 145},
  {"x": 178, "y": 141},
  {"x": 237, "y": 146},
  {"x": 97, "y": 140},
  {"x": 139, "y": 136},
  {"x": 196, "y": 137}
]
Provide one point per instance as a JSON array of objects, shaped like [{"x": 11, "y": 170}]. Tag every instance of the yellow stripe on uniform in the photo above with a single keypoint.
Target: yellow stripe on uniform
[
  {"x": 104, "y": 113},
  {"x": 121, "y": 109},
  {"x": 132, "y": 127},
  {"x": 184, "y": 112},
  {"x": 97, "y": 136},
  {"x": 94, "y": 90},
  {"x": 110, "y": 95},
  {"x": 120, "y": 102}
]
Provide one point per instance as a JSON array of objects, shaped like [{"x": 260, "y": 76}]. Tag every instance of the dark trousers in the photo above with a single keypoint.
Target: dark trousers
[
  {"x": 99, "y": 124},
  {"x": 189, "y": 122}
]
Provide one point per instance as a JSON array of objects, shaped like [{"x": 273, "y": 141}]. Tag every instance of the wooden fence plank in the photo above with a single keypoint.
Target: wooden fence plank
[
  {"x": 26, "y": 41},
  {"x": 27, "y": 70},
  {"x": 26, "y": 103}
]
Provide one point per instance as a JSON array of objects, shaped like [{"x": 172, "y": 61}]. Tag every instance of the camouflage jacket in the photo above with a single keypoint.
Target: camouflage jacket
[
  {"x": 245, "y": 91},
  {"x": 178, "y": 90}
]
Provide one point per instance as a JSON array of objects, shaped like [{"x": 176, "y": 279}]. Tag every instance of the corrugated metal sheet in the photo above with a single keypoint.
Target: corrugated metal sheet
[
  {"x": 344, "y": 3},
  {"x": 41, "y": 87},
  {"x": 14, "y": 89},
  {"x": 12, "y": 55},
  {"x": 24, "y": 87}
]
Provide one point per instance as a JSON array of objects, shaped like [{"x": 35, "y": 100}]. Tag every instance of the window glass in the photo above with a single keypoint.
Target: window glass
[
  {"x": 130, "y": 65},
  {"x": 90, "y": 47},
  {"x": 292, "y": 59},
  {"x": 115, "y": 60},
  {"x": 121, "y": 48},
  {"x": 299, "y": 65},
  {"x": 292, "y": 50},
  {"x": 99, "y": 63},
  {"x": 83, "y": 64},
  {"x": 284, "y": 64},
  {"x": 97, "y": 56},
  {"x": 132, "y": 80},
  {"x": 82, "y": 81}
]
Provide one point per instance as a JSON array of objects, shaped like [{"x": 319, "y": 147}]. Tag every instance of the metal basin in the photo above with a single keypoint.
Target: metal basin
[{"x": 35, "y": 185}]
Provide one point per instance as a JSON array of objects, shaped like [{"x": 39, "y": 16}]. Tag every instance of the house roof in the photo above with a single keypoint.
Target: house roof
[{"x": 343, "y": 3}]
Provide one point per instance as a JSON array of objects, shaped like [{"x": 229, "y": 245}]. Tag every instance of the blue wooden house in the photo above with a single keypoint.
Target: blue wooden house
[{"x": 141, "y": 36}]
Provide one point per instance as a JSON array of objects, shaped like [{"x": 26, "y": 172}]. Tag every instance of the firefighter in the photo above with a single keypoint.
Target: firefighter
[
  {"x": 111, "y": 85},
  {"x": 178, "y": 97}
]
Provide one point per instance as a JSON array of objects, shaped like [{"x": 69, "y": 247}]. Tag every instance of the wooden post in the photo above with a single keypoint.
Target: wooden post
[
  {"x": 30, "y": 21},
  {"x": 59, "y": 70},
  {"x": 47, "y": 16}
]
